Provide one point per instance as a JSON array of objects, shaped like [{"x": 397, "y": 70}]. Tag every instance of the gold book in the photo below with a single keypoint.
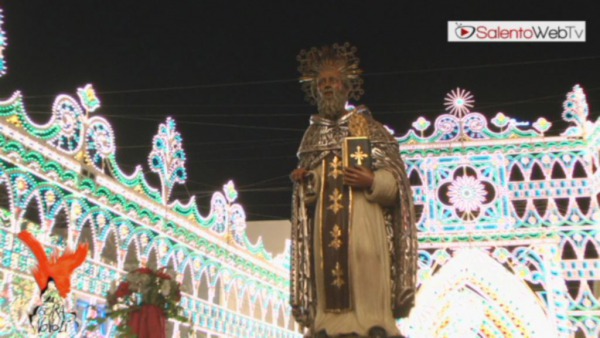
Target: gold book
[{"x": 356, "y": 152}]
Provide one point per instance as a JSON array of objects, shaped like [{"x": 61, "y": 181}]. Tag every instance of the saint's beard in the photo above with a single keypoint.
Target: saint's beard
[{"x": 332, "y": 107}]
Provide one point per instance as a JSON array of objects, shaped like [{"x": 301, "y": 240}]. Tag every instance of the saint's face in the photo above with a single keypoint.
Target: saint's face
[{"x": 329, "y": 82}]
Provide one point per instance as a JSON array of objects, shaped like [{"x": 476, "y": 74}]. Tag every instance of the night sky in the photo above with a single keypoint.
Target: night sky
[{"x": 226, "y": 71}]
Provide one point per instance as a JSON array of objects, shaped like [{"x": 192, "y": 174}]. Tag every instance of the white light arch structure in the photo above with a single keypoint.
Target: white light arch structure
[
  {"x": 529, "y": 200},
  {"x": 473, "y": 295}
]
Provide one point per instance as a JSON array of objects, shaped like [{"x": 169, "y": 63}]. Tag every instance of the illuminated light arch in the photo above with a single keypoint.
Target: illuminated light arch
[
  {"x": 31, "y": 204},
  {"x": 544, "y": 221},
  {"x": 111, "y": 242},
  {"x": 203, "y": 285},
  {"x": 127, "y": 234},
  {"x": 231, "y": 301},
  {"x": 188, "y": 281},
  {"x": 162, "y": 246},
  {"x": 168, "y": 255},
  {"x": 496, "y": 301},
  {"x": 151, "y": 258},
  {"x": 196, "y": 261},
  {"x": 243, "y": 295}
]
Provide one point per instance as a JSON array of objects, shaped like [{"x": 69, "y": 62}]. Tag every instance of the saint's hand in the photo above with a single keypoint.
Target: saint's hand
[
  {"x": 358, "y": 177},
  {"x": 298, "y": 175}
]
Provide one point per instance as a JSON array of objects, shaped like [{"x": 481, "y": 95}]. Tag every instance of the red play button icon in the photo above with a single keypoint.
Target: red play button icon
[{"x": 464, "y": 32}]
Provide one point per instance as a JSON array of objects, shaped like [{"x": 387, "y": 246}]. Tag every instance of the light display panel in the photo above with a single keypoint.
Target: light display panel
[
  {"x": 508, "y": 221},
  {"x": 63, "y": 184}
]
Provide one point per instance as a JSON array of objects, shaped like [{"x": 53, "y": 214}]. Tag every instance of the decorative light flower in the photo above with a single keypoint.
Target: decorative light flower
[
  {"x": 163, "y": 248},
  {"x": 542, "y": 125},
  {"x": 441, "y": 257},
  {"x": 500, "y": 120},
  {"x": 459, "y": 102},
  {"x": 501, "y": 254},
  {"x": 230, "y": 193},
  {"x": 421, "y": 124},
  {"x": 124, "y": 231},
  {"x": 101, "y": 220},
  {"x": 467, "y": 193},
  {"x": 76, "y": 210},
  {"x": 50, "y": 197},
  {"x": 88, "y": 98},
  {"x": 21, "y": 184}
]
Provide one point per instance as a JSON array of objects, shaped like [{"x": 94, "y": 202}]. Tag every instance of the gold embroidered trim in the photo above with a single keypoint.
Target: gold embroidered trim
[
  {"x": 336, "y": 167},
  {"x": 335, "y": 198},
  {"x": 338, "y": 273},
  {"x": 336, "y": 233}
]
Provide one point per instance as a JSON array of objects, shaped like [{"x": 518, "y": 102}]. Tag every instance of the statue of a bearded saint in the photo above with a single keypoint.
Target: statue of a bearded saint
[{"x": 354, "y": 240}]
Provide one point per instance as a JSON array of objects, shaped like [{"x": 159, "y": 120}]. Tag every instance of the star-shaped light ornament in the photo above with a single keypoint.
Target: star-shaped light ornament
[{"x": 459, "y": 102}]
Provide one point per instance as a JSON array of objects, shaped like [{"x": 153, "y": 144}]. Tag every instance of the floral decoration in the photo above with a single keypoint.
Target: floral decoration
[
  {"x": 467, "y": 193},
  {"x": 88, "y": 98},
  {"x": 542, "y": 125},
  {"x": 500, "y": 120},
  {"x": 421, "y": 124},
  {"x": 141, "y": 287}
]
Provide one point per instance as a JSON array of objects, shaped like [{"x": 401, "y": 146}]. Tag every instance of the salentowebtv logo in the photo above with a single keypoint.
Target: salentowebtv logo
[{"x": 516, "y": 31}]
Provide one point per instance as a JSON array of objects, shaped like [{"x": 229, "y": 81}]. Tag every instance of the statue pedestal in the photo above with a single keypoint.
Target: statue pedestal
[{"x": 149, "y": 322}]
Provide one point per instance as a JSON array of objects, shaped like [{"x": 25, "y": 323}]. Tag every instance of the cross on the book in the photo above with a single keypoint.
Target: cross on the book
[{"x": 359, "y": 155}]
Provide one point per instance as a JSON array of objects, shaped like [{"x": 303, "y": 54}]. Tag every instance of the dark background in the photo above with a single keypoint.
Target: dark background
[{"x": 226, "y": 71}]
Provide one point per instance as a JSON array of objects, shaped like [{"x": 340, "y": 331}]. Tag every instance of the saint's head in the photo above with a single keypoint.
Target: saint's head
[{"x": 330, "y": 76}]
